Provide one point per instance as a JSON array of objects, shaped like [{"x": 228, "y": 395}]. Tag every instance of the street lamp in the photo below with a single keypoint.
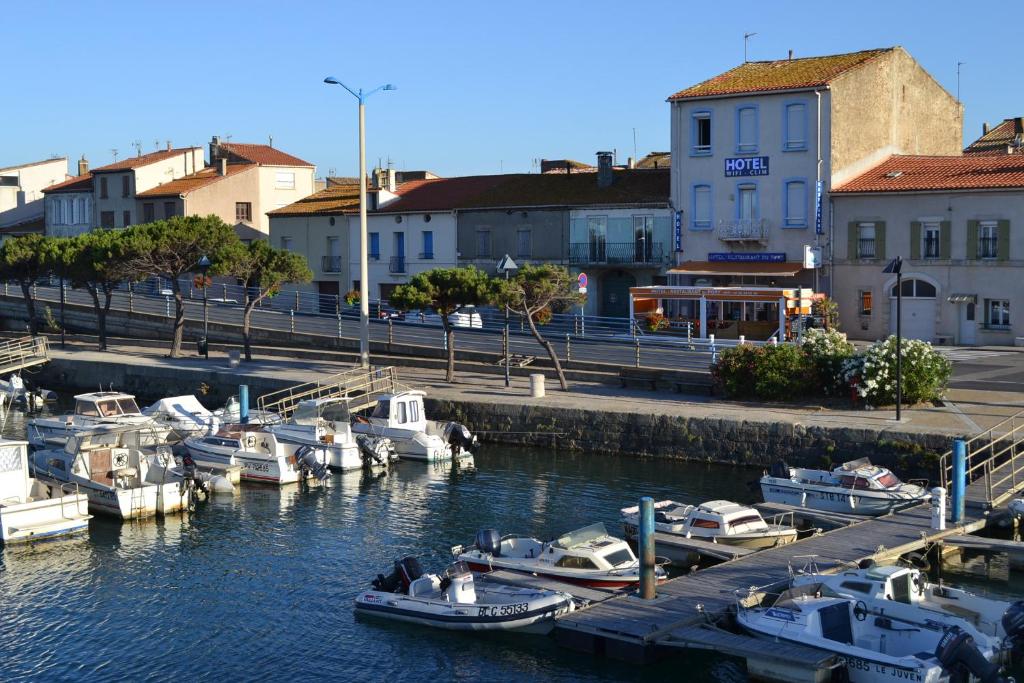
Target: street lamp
[
  {"x": 364, "y": 287},
  {"x": 896, "y": 267},
  {"x": 204, "y": 266},
  {"x": 506, "y": 265}
]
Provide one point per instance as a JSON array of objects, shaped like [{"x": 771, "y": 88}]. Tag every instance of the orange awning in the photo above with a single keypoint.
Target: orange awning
[{"x": 736, "y": 268}]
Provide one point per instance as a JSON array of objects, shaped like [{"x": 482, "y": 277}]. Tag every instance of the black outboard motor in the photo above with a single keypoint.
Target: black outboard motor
[
  {"x": 958, "y": 654},
  {"x": 779, "y": 469},
  {"x": 489, "y": 541},
  {"x": 458, "y": 436},
  {"x": 1013, "y": 623},
  {"x": 406, "y": 571}
]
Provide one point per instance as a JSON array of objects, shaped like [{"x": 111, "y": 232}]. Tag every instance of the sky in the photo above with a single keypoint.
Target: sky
[{"x": 481, "y": 87}]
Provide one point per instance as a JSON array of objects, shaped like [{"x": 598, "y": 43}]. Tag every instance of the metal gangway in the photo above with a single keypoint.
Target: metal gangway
[
  {"x": 24, "y": 352},
  {"x": 995, "y": 464},
  {"x": 361, "y": 387}
]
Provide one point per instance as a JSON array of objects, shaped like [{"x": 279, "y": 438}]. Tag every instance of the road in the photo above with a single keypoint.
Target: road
[{"x": 986, "y": 370}]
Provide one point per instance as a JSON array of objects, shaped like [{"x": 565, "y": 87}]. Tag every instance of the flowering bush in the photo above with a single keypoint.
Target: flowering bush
[
  {"x": 352, "y": 297},
  {"x": 656, "y": 321},
  {"x": 873, "y": 373},
  {"x": 827, "y": 351}
]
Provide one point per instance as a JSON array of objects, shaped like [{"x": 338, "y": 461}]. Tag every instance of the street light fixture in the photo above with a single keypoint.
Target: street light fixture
[
  {"x": 204, "y": 266},
  {"x": 895, "y": 267},
  {"x": 364, "y": 288},
  {"x": 506, "y": 265}
]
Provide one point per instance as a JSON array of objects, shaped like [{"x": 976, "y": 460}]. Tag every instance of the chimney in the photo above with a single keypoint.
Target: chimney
[
  {"x": 790, "y": 55},
  {"x": 168, "y": 145},
  {"x": 984, "y": 128},
  {"x": 83, "y": 166},
  {"x": 630, "y": 163},
  {"x": 214, "y": 148},
  {"x": 604, "y": 169},
  {"x": 222, "y": 166}
]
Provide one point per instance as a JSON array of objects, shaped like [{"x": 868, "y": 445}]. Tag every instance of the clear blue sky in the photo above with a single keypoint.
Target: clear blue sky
[{"x": 482, "y": 87}]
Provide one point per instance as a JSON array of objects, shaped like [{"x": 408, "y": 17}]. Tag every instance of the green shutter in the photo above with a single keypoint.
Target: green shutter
[
  {"x": 945, "y": 233},
  {"x": 851, "y": 244},
  {"x": 972, "y": 240},
  {"x": 880, "y": 240},
  {"x": 1003, "y": 245},
  {"x": 915, "y": 240}
]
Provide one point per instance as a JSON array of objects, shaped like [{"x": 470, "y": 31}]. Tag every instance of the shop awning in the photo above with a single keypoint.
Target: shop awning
[
  {"x": 736, "y": 268},
  {"x": 962, "y": 298}
]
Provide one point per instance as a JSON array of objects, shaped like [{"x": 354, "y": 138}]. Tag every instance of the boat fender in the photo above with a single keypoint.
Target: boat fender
[
  {"x": 957, "y": 652},
  {"x": 1013, "y": 620},
  {"x": 919, "y": 561}
]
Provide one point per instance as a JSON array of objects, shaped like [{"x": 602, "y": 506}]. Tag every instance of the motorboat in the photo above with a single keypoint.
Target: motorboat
[
  {"x": 17, "y": 392},
  {"x": 875, "y": 645},
  {"x": 901, "y": 589},
  {"x": 107, "y": 465},
  {"x": 185, "y": 416},
  {"x": 402, "y": 418},
  {"x": 262, "y": 456},
  {"x": 164, "y": 466},
  {"x": 113, "y": 408},
  {"x": 325, "y": 423},
  {"x": 231, "y": 413},
  {"x": 454, "y": 601},
  {"x": 588, "y": 557},
  {"x": 716, "y": 521},
  {"x": 31, "y": 509},
  {"x": 855, "y": 487}
]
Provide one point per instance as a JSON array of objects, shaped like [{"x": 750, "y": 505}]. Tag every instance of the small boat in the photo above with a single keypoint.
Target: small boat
[
  {"x": 185, "y": 416},
  {"x": 231, "y": 413},
  {"x": 262, "y": 456},
  {"x": 31, "y": 509},
  {"x": 18, "y": 392},
  {"x": 113, "y": 408},
  {"x": 326, "y": 424},
  {"x": 165, "y": 467},
  {"x": 402, "y": 418},
  {"x": 454, "y": 601},
  {"x": 875, "y": 646},
  {"x": 856, "y": 487},
  {"x": 587, "y": 557},
  {"x": 716, "y": 521}
]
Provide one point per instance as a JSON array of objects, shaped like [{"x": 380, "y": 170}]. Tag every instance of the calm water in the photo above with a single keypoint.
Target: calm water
[{"x": 260, "y": 586}]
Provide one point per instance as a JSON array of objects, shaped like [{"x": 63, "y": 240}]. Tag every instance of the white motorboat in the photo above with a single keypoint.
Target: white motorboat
[
  {"x": 16, "y": 391},
  {"x": 401, "y": 418},
  {"x": 165, "y": 467},
  {"x": 262, "y": 456},
  {"x": 588, "y": 557},
  {"x": 113, "y": 474},
  {"x": 31, "y": 509},
  {"x": 874, "y": 645},
  {"x": 454, "y": 601},
  {"x": 112, "y": 408},
  {"x": 856, "y": 487},
  {"x": 326, "y": 424},
  {"x": 185, "y": 416},
  {"x": 231, "y": 413},
  {"x": 716, "y": 521}
]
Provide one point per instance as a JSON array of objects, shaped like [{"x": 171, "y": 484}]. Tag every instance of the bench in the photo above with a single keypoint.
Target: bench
[{"x": 647, "y": 376}]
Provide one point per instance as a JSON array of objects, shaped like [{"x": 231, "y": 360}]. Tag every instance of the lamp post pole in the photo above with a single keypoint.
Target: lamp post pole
[
  {"x": 204, "y": 266},
  {"x": 507, "y": 382},
  {"x": 506, "y": 265},
  {"x": 895, "y": 267},
  {"x": 62, "y": 297}
]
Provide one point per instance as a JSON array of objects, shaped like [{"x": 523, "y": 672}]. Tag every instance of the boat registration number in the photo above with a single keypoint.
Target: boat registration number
[
  {"x": 897, "y": 673},
  {"x": 503, "y": 610}
]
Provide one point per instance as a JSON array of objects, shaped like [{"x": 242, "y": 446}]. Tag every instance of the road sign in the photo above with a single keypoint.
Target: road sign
[
  {"x": 507, "y": 265},
  {"x": 582, "y": 280}
]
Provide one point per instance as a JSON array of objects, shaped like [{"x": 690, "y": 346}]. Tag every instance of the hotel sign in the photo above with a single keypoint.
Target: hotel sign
[
  {"x": 746, "y": 166},
  {"x": 734, "y": 257}
]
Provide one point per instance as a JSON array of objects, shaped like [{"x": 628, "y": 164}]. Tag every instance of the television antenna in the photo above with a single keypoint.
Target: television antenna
[{"x": 746, "y": 40}]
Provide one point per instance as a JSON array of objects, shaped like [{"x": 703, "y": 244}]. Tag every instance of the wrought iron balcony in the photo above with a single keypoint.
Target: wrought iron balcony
[
  {"x": 743, "y": 230},
  {"x": 397, "y": 264},
  {"x": 330, "y": 264},
  {"x": 640, "y": 251}
]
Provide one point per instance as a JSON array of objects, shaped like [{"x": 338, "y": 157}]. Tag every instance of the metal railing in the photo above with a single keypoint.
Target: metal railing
[
  {"x": 743, "y": 230},
  {"x": 397, "y": 264},
  {"x": 22, "y": 353},
  {"x": 330, "y": 264},
  {"x": 640, "y": 251},
  {"x": 359, "y": 387},
  {"x": 987, "y": 454}
]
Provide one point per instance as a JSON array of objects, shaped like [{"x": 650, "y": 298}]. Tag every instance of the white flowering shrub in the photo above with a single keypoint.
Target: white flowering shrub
[
  {"x": 827, "y": 351},
  {"x": 873, "y": 373}
]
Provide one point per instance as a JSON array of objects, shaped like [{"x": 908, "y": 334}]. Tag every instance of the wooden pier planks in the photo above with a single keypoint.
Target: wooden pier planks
[{"x": 718, "y": 551}]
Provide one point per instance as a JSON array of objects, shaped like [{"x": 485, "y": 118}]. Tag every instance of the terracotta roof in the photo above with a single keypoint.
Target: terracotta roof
[
  {"x": 189, "y": 183},
  {"x": 441, "y": 194},
  {"x": 923, "y": 173},
  {"x": 782, "y": 74},
  {"x": 262, "y": 154},
  {"x": 999, "y": 139},
  {"x": 565, "y": 166},
  {"x": 656, "y": 160},
  {"x": 144, "y": 160},
  {"x": 336, "y": 199},
  {"x": 632, "y": 186},
  {"x": 80, "y": 183}
]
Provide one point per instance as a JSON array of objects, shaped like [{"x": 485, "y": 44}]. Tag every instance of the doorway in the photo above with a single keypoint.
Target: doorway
[
  {"x": 615, "y": 294},
  {"x": 968, "y": 324}
]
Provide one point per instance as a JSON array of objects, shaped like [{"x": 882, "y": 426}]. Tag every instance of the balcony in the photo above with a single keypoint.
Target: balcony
[
  {"x": 330, "y": 264},
  {"x": 397, "y": 264},
  {"x": 617, "y": 253},
  {"x": 743, "y": 230},
  {"x": 427, "y": 256}
]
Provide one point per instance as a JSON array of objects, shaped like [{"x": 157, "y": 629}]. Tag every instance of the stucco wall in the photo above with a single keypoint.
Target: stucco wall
[
  {"x": 441, "y": 224},
  {"x": 273, "y": 197},
  {"x": 549, "y": 235},
  {"x": 219, "y": 197},
  {"x": 25, "y": 200},
  {"x": 139, "y": 180}
]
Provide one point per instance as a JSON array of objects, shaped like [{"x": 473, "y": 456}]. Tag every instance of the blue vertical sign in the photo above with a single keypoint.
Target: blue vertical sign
[
  {"x": 818, "y": 187},
  {"x": 677, "y": 232}
]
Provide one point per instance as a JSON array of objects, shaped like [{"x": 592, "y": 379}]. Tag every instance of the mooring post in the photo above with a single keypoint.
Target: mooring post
[
  {"x": 938, "y": 508},
  {"x": 243, "y": 403},
  {"x": 291, "y": 320},
  {"x": 959, "y": 479},
  {"x": 646, "y": 546},
  {"x": 637, "y": 351},
  {"x": 568, "y": 347}
]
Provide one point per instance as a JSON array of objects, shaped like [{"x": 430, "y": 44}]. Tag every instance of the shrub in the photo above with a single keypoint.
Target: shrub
[
  {"x": 782, "y": 373},
  {"x": 733, "y": 373},
  {"x": 352, "y": 297},
  {"x": 828, "y": 310},
  {"x": 873, "y": 374},
  {"x": 656, "y": 321},
  {"x": 827, "y": 351}
]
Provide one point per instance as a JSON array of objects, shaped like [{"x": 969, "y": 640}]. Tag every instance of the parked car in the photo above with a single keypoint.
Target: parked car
[{"x": 466, "y": 317}]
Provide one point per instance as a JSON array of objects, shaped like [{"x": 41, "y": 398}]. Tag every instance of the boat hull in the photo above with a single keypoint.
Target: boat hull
[
  {"x": 253, "y": 467},
  {"x": 833, "y": 499},
  {"x": 46, "y": 518},
  {"x": 595, "y": 580},
  {"x": 535, "y": 616}
]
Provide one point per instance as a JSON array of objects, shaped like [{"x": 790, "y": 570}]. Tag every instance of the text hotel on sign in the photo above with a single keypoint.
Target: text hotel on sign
[{"x": 746, "y": 166}]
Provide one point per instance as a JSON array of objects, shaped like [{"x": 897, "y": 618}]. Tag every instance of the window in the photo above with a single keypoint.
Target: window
[
  {"x": 916, "y": 289},
  {"x": 403, "y": 415},
  {"x": 285, "y": 180},
  {"x": 428, "y": 244},
  {"x": 148, "y": 212},
  {"x": 483, "y": 243},
  {"x": 620, "y": 557},
  {"x": 700, "y": 133},
  {"x": 103, "y": 187},
  {"x": 169, "y": 209},
  {"x": 597, "y": 237},
  {"x": 795, "y": 127},
  {"x": 746, "y": 205},
  {"x": 414, "y": 411},
  {"x": 524, "y": 243},
  {"x": 701, "y": 211},
  {"x": 286, "y": 243},
  {"x": 864, "y": 297},
  {"x": 746, "y": 130},
  {"x": 574, "y": 562},
  {"x": 643, "y": 238},
  {"x": 126, "y": 218},
  {"x": 80, "y": 212},
  {"x": 866, "y": 240},
  {"x": 796, "y": 204},
  {"x": 106, "y": 219},
  {"x": 988, "y": 239},
  {"x": 243, "y": 211},
  {"x": 930, "y": 240},
  {"x": 997, "y": 313},
  {"x": 375, "y": 245},
  {"x": 124, "y": 186}
]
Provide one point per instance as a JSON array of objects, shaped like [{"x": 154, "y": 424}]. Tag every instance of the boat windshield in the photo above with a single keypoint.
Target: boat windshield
[
  {"x": 888, "y": 480},
  {"x": 788, "y": 598},
  {"x": 617, "y": 558},
  {"x": 128, "y": 406},
  {"x": 382, "y": 409},
  {"x": 336, "y": 412},
  {"x": 582, "y": 536}
]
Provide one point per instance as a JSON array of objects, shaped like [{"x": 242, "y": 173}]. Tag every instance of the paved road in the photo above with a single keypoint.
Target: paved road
[{"x": 986, "y": 369}]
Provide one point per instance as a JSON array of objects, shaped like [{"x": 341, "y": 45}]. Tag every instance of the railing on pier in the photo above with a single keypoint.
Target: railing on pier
[
  {"x": 22, "y": 353},
  {"x": 359, "y": 386},
  {"x": 995, "y": 468}
]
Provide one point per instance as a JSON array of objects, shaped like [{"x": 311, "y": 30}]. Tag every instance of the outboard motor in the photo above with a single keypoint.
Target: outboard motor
[
  {"x": 458, "y": 437},
  {"x": 1013, "y": 622},
  {"x": 408, "y": 569},
  {"x": 489, "y": 541},
  {"x": 779, "y": 469},
  {"x": 306, "y": 458},
  {"x": 458, "y": 582},
  {"x": 957, "y": 652},
  {"x": 375, "y": 449}
]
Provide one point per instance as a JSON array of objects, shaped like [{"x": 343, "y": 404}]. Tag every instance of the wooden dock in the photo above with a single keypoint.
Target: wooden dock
[{"x": 682, "y": 551}]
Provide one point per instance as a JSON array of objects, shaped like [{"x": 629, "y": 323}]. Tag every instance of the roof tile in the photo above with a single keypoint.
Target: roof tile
[
  {"x": 336, "y": 199},
  {"x": 999, "y": 140},
  {"x": 924, "y": 173},
  {"x": 189, "y": 183},
  {"x": 143, "y": 160},
  {"x": 80, "y": 183},
  {"x": 262, "y": 154}
]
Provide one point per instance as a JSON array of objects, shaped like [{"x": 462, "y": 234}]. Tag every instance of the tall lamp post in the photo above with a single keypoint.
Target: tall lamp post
[
  {"x": 507, "y": 266},
  {"x": 364, "y": 287},
  {"x": 896, "y": 267},
  {"x": 204, "y": 266}
]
